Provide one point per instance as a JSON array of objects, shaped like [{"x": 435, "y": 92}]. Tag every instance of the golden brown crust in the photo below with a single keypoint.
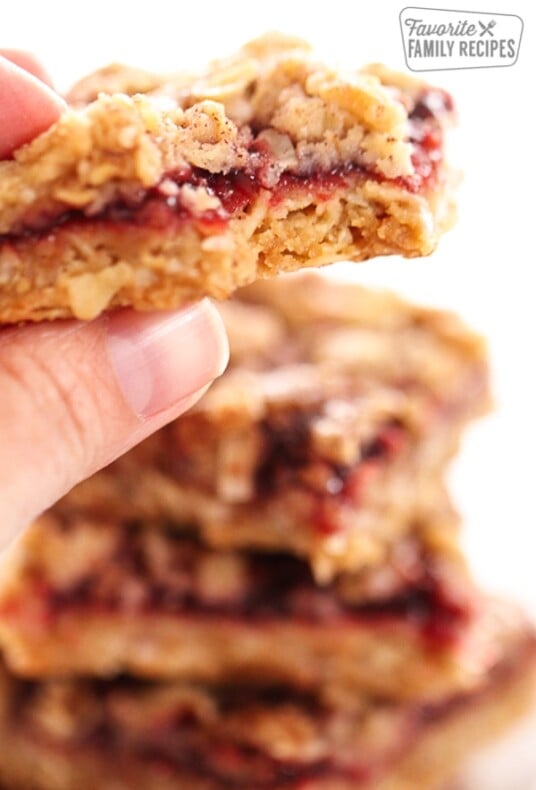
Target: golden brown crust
[
  {"x": 173, "y": 736},
  {"x": 78, "y": 235},
  {"x": 322, "y": 376}
]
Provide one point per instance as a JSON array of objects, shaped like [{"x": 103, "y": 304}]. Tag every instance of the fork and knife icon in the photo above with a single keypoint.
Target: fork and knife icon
[{"x": 487, "y": 28}]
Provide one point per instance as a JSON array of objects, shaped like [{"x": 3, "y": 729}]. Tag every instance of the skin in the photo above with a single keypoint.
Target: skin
[{"x": 73, "y": 395}]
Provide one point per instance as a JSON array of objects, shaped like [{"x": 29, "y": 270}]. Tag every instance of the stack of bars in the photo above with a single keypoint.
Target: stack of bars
[{"x": 269, "y": 592}]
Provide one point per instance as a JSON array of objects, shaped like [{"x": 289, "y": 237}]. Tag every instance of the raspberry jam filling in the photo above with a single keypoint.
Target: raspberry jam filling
[
  {"x": 177, "y": 739},
  {"x": 264, "y": 589},
  {"x": 289, "y": 463},
  {"x": 288, "y": 459},
  {"x": 160, "y": 208}
]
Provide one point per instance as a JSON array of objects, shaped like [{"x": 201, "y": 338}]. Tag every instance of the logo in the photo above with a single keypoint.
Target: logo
[{"x": 437, "y": 39}]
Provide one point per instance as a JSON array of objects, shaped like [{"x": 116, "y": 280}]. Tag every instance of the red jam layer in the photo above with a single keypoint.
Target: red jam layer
[
  {"x": 288, "y": 456},
  {"x": 274, "y": 588},
  {"x": 180, "y": 742},
  {"x": 287, "y": 463},
  {"x": 238, "y": 189}
]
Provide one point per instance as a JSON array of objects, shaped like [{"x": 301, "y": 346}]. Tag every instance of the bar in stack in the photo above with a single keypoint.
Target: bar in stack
[
  {"x": 331, "y": 427},
  {"x": 270, "y": 591}
]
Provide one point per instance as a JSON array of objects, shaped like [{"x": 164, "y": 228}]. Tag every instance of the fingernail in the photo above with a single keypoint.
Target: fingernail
[{"x": 161, "y": 358}]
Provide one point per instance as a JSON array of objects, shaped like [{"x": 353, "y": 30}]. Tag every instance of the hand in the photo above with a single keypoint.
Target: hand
[{"x": 74, "y": 396}]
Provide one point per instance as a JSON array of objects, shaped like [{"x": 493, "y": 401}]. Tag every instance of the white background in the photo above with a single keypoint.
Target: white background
[{"x": 485, "y": 267}]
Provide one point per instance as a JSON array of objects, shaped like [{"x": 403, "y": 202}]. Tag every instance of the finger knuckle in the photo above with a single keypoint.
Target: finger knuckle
[{"x": 53, "y": 399}]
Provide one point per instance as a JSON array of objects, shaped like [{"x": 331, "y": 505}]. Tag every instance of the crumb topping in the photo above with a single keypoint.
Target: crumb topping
[{"x": 270, "y": 110}]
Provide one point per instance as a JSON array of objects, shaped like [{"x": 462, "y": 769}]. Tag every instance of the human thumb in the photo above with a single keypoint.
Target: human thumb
[{"x": 74, "y": 396}]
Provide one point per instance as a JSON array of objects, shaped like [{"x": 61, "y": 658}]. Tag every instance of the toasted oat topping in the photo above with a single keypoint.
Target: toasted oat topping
[{"x": 137, "y": 127}]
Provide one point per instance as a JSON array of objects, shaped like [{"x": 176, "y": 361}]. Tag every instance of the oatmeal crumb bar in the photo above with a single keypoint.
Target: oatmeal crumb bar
[
  {"x": 148, "y": 600},
  {"x": 153, "y": 191},
  {"x": 331, "y": 427},
  {"x": 123, "y": 734}
]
